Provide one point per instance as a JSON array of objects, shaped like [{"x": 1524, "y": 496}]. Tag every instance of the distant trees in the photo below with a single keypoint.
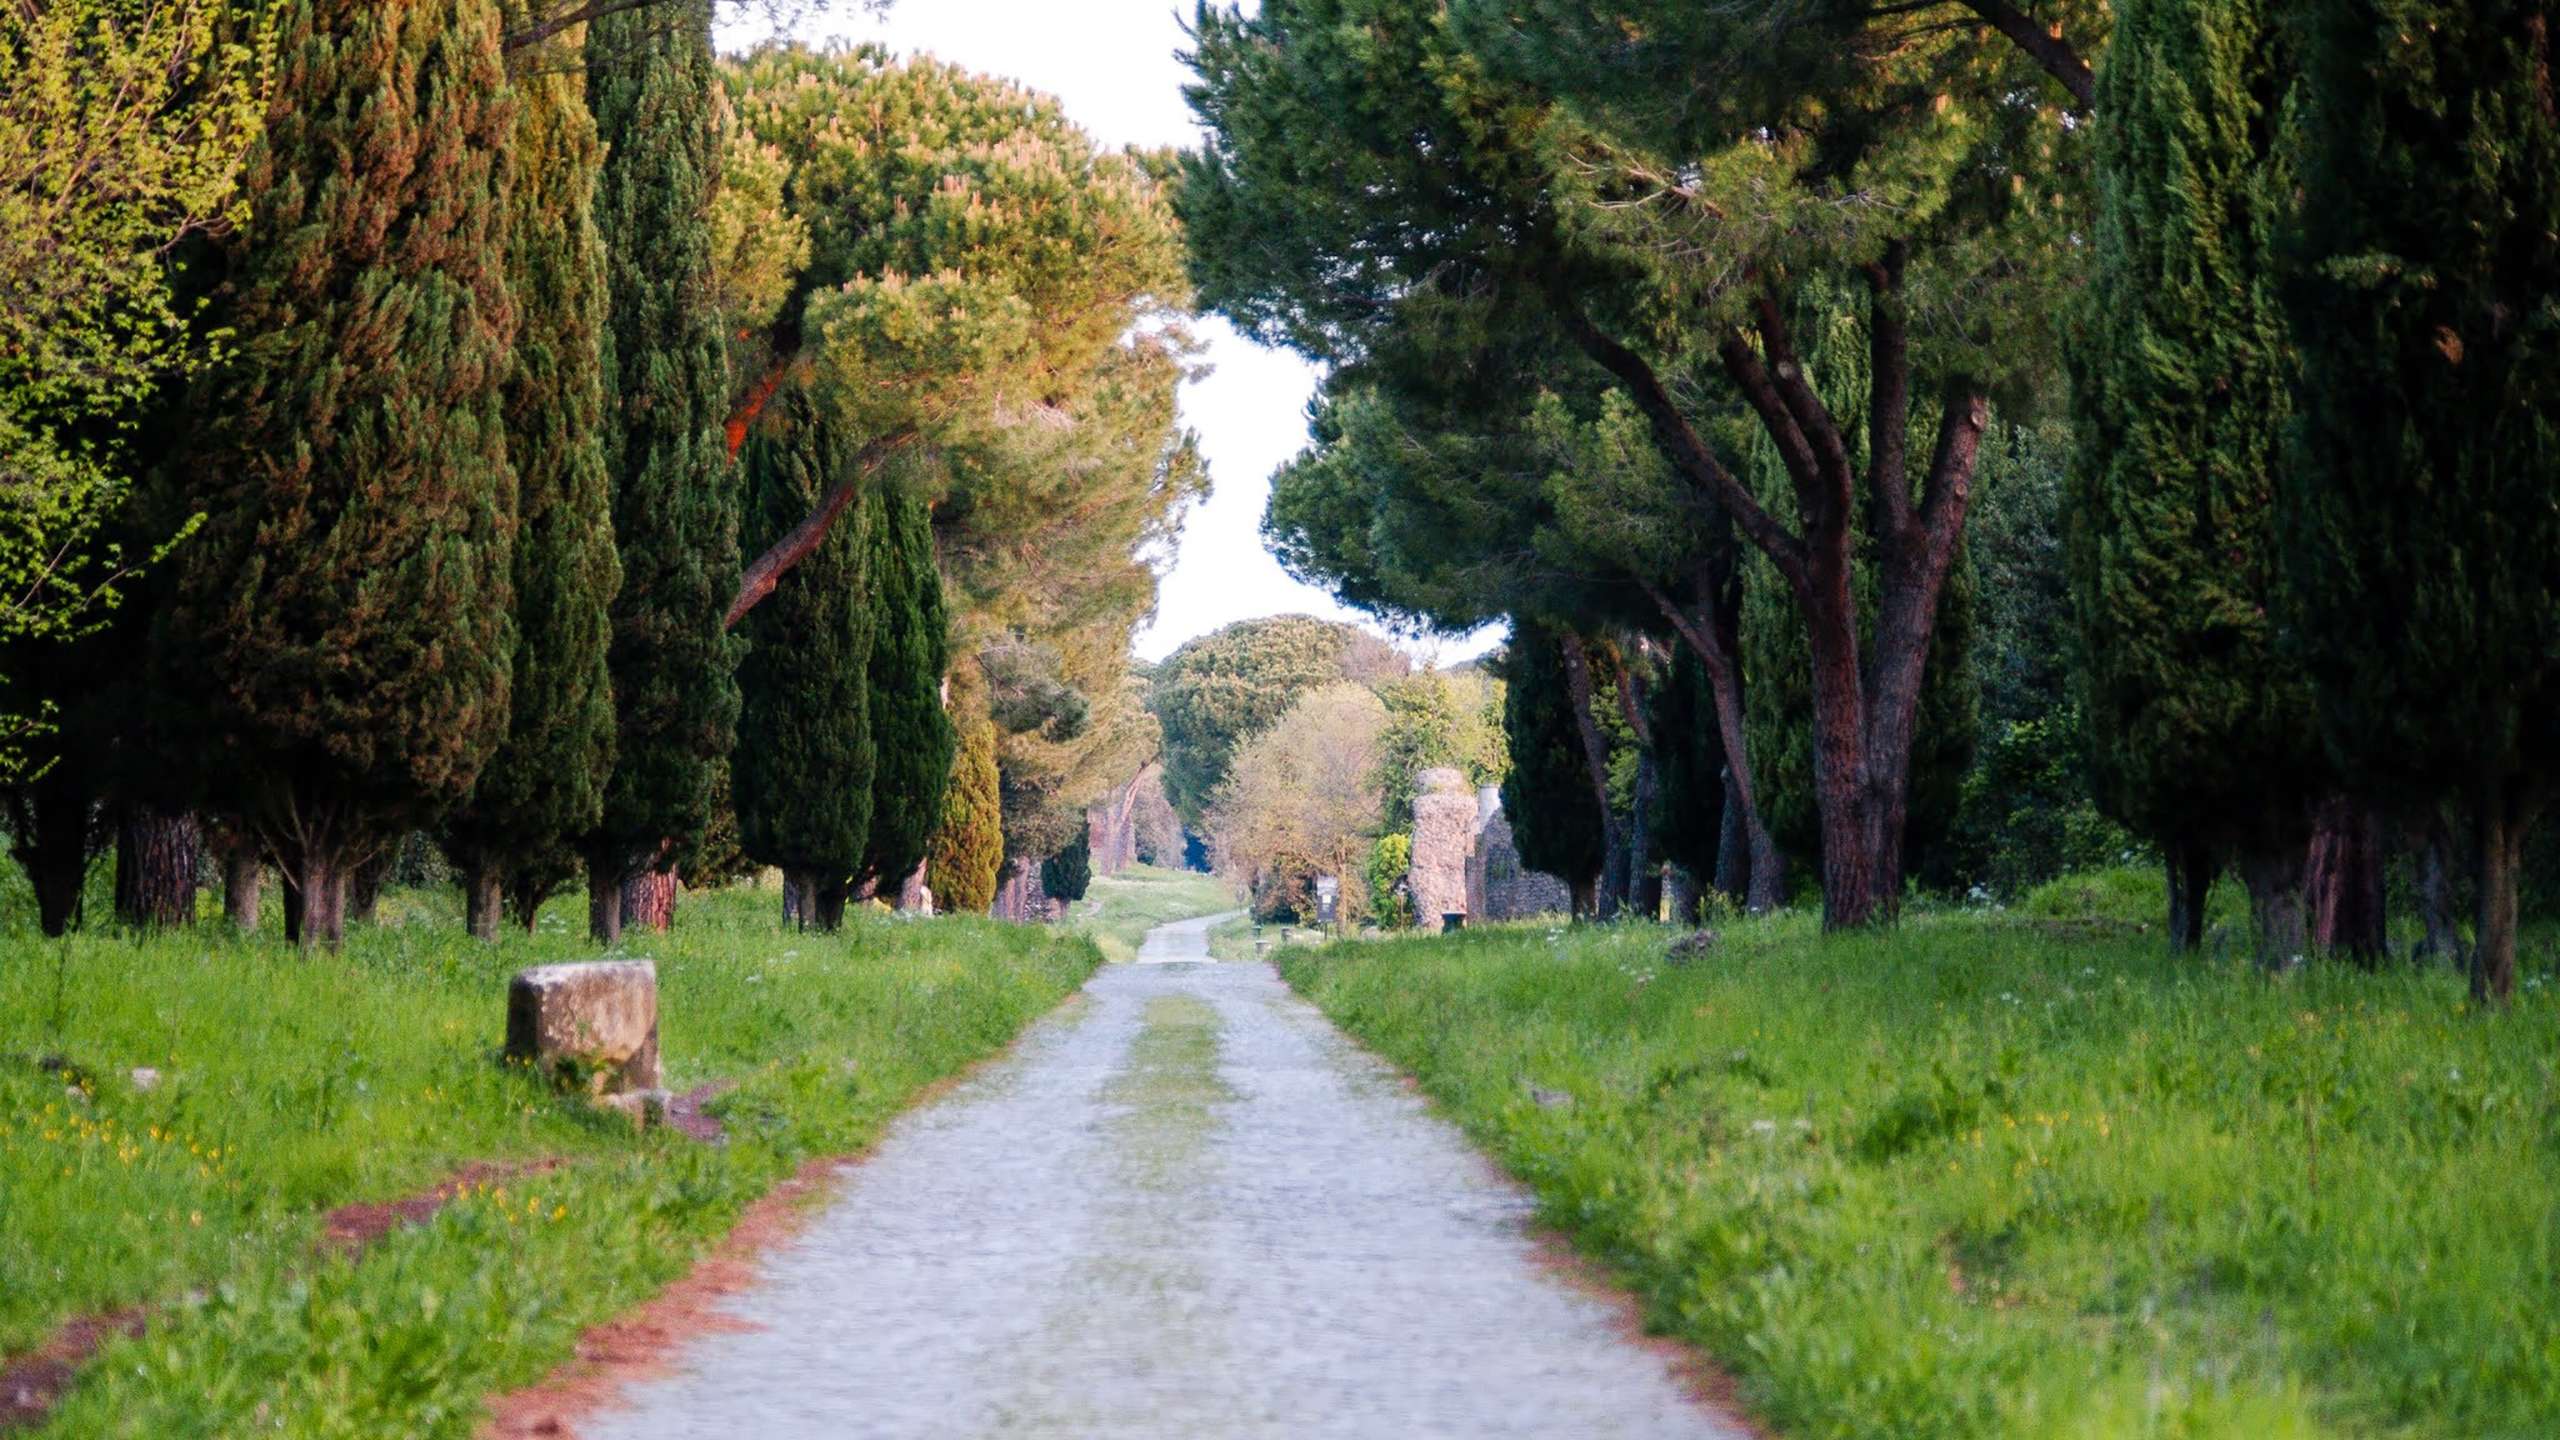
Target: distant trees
[
  {"x": 676, "y": 502},
  {"x": 1222, "y": 689},
  {"x": 1299, "y": 800},
  {"x": 2422, "y": 539},
  {"x": 347, "y": 609}
]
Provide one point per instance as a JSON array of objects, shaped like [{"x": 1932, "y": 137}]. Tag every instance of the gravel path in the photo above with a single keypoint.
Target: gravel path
[{"x": 1187, "y": 1207}]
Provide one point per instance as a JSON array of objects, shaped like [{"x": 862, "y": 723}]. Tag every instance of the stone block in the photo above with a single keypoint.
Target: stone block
[{"x": 592, "y": 1027}]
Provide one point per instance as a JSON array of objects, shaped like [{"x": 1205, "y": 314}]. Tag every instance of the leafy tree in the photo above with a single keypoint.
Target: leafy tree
[
  {"x": 1220, "y": 690},
  {"x": 809, "y": 752},
  {"x": 1367, "y": 170},
  {"x": 1390, "y": 861},
  {"x": 123, "y": 129},
  {"x": 1437, "y": 718},
  {"x": 543, "y": 789},
  {"x": 909, "y": 727},
  {"x": 2423, "y": 548},
  {"x": 967, "y": 852},
  {"x": 1299, "y": 798},
  {"x": 1556, "y": 819},
  {"x": 676, "y": 503},
  {"x": 1066, "y": 876},
  {"x": 347, "y": 607}
]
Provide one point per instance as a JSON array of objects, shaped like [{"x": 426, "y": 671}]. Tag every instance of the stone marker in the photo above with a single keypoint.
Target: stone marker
[{"x": 590, "y": 1027}]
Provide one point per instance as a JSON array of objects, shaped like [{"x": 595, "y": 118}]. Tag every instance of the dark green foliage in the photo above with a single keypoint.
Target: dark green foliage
[
  {"x": 1688, "y": 757},
  {"x": 802, "y": 778},
  {"x": 2026, "y": 815},
  {"x": 1221, "y": 689},
  {"x": 2423, "y": 552},
  {"x": 910, "y": 650},
  {"x": 1067, "y": 874},
  {"x": 2180, "y": 371},
  {"x": 1555, "y": 819},
  {"x": 544, "y": 788},
  {"x": 676, "y": 498},
  {"x": 967, "y": 851},
  {"x": 346, "y": 609}
]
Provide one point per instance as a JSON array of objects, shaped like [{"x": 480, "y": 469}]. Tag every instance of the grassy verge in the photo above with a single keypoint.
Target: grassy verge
[
  {"x": 1119, "y": 910},
  {"x": 290, "y": 1085},
  {"x": 1232, "y": 939},
  {"x": 1973, "y": 1180}
]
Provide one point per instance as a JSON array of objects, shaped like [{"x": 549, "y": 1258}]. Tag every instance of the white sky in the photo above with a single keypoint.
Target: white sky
[{"x": 1112, "y": 64}]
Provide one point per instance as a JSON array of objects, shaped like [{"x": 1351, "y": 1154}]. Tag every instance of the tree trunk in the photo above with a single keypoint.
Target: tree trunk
[
  {"x": 244, "y": 879},
  {"x": 913, "y": 895},
  {"x": 2274, "y": 877},
  {"x": 49, "y": 835},
  {"x": 604, "y": 900},
  {"x": 1595, "y": 762},
  {"x": 1644, "y": 868},
  {"x": 363, "y": 886},
  {"x": 2344, "y": 888},
  {"x": 795, "y": 903},
  {"x": 1585, "y": 894},
  {"x": 2436, "y": 904},
  {"x": 324, "y": 901},
  {"x": 526, "y": 895},
  {"x": 484, "y": 897},
  {"x": 649, "y": 901},
  {"x": 1733, "y": 846},
  {"x": 828, "y": 902},
  {"x": 2191, "y": 870},
  {"x": 1680, "y": 895},
  {"x": 156, "y": 856},
  {"x": 2504, "y": 819}
]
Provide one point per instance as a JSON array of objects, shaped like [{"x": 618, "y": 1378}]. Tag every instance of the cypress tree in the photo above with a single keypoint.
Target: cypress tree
[
  {"x": 675, "y": 502},
  {"x": 346, "y": 606},
  {"x": 544, "y": 788},
  {"x": 1688, "y": 752},
  {"x": 2201, "y": 735},
  {"x": 910, "y": 651},
  {"x": 967, "y": 851},
  {"x": 802, "y": 779},
  {"x": 1555, "y": 818},
  {"x": 2422, "y": 549},
  {"x": 1065, "y": 876}
]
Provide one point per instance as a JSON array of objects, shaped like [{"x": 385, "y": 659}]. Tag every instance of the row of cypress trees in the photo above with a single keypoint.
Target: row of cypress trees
[
  {"x": 2314, "y": 550},
  {"x": 470, "y": 522}
]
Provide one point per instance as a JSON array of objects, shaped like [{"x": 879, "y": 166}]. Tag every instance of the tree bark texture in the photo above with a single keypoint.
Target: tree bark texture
[
  {"x": 2437, "y": 908},
  {"x": 363, "y": 882},
  {"x": 157, "y": 853},
  {"x": 244, "y": 878},
  {"x": 2344, "y": 886},
  {"x": 2274, "y": 877},
  {"x": 795, "y": 898},
  {"x": 2505, "y": 816},
  {"x": 1680, "y": 895},
  {"x": 604, "y": 901},
  {"x": 1644, "y": 868},
  {"x": 2191, "y": 868},
  {"x": 484, "y": 894},
  {"x": 649, "y": 901},
  {"x": 1612, "y": 893},
  {"x": 323, "y": 893}
]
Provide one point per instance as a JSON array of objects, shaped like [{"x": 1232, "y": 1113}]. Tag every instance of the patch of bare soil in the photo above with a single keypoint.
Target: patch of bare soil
[
  {"x": 685, "y": 1112},
  {"x": 644, "y": 1341}
]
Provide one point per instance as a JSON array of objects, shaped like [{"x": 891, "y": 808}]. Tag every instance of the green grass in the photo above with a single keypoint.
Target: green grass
[
  {"x": 1977, "y": 1180},
  {"x": 1119, "y": 910},
  {"x": 1233, "y": 939},
  {"x": 295, "y": 1084}
]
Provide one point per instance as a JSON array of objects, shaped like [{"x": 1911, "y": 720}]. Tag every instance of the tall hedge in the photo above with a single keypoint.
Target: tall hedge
[
  {"x": 347, "y": 607},
  {"x": 802, "y": 778},
  {"x": 676, "y": 502},
  {"x": 966, "y": 855},
  {"x": 2422, "y": 542},
  {"x": 911, "y": 650},
  {"x": 544, "y": 788},
  {"x": 2200, "y": 731},
  {"x": 1555, "y": 819}
]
